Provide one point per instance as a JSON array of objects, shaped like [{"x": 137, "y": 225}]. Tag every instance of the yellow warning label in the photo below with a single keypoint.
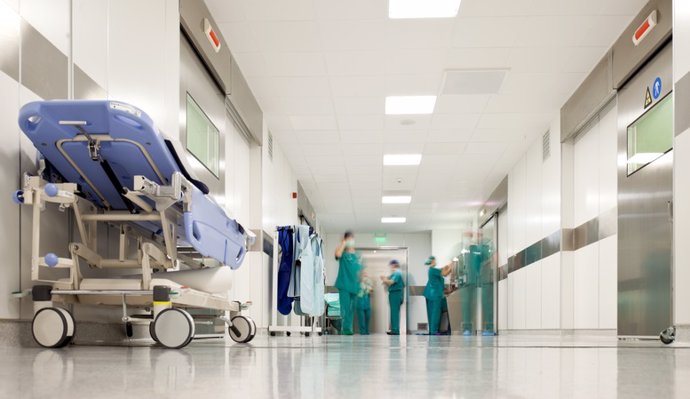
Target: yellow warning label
[{"x": 647, "y": 98}]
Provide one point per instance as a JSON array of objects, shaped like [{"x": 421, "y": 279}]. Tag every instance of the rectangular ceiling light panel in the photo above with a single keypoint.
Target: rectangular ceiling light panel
[
  {"x": 402, "y": 159},
  {"x": 396, "y": 199},
  {"x": 393, "y": 219},
  {"x": 407, "y": 9},
  {"x": 487, "y": 81},
  {"x": 410, "y": 105}
]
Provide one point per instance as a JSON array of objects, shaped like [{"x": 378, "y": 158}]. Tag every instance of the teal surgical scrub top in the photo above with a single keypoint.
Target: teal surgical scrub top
[
  {"x": 397, "y": 279},
  {"x": 348, "y": 273},
  {"x": 435, "y": 284}
]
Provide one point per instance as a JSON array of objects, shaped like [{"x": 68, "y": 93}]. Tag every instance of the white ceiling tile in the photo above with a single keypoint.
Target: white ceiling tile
[
  {"x": 362, "y": 149},
  {"x": 412, "y": 85},
  {"x": 415, "y": 61},
  {"x": 486, "y": 32},
  {"x": 605, "y": 30},
  {"x": 297, "y": 105},
  {"x": 359, "y": 174},
  {"x": 294, "y": 64},
  {"x": 435, "y": 149},
  {"x": 554, "y": 31},
  {"x": 461, "y": 104},
  {"x": 316, "y": 122},
  {"x": 318, "y": 137},
  {"x": 269, "y": 10},
  {"x": 352, "y": 35},
  {"x": 509, "y": 135},
  {"x": 361, "y": 136},
  {"x": 239, "y": 36},
  {"x": 485, "y": 148},
  {"x": 318, "y": 151},
  {"x": 494, "y": 8},
  {"x": 290, "y": 86},
  {"x": 419, "y": 33},
  {"x": 286, "y": 35},
  {"x": 359, "y": 105},
  {"x": 583, "y": 59},
  {"x": 407, "y": 122},
  {"x": 402, "y": 148},
  {"x": 549, "y": 59},
  {"x": 351, "y": 9},
  {"x": 353, "y": 63},
  {"x": 225, "y": 11},
  {"x": 355, "y": 86},
  {"x": 528, "y": 102},
  {"x": 405, "y": 136},
  {"x": 330, "y": 177},
  {"x": 251, "y": 64},
  {"x": 519, "y": 121},
  {"x": 449, "y": 135},
  {"x": 449, "y": 121},
  {"x": 478, "y": 58},
  {"x": 621, "y": 7},
  {"x": 361, "y": 122},
  {"x": 375, "y": 162},
  {"x": 278, "y": 122}
]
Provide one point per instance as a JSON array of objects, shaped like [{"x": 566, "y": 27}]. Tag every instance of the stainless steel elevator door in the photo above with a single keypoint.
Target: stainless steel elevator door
[{"x": 645, "y": 235}]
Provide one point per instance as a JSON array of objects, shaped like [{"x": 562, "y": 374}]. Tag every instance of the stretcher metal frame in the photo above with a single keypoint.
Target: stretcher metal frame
[{"x": 152, "y": 253}]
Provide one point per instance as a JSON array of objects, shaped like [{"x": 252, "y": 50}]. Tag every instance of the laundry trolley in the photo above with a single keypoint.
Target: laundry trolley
[{"x": 106, "y": 163}]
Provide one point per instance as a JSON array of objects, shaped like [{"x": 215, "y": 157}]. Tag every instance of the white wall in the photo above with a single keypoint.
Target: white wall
[
  {"x": 419, "y": 248},
  {"x": 595, "y": 192},
  {"x": 529, "y": 297}
]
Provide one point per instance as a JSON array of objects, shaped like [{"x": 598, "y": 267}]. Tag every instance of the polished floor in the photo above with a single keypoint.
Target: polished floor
[{"x": 375, "y": 366}]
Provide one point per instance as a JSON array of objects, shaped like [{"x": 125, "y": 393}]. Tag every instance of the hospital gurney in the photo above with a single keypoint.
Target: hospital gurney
[{"x": 107, "y": 163}]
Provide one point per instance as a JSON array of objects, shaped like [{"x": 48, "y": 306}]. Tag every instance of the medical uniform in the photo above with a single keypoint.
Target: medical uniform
[
  {"x": 433, "y": 292},
  {"x": 364, "y": 307},
  {"x": 347, "y": 284},
  {"x": 395, "y": 300}
]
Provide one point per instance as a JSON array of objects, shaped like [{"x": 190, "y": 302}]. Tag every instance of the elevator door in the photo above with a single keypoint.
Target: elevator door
[
  {"x": 375, "y": 262},
  {"x": 645, "y": 177}
]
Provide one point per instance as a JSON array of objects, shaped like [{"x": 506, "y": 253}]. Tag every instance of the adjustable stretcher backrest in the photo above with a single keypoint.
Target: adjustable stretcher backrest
[{"x": 135, "y": 146}]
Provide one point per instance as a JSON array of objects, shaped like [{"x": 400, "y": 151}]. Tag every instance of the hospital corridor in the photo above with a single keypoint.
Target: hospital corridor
[{"x": 345, "y": 199}]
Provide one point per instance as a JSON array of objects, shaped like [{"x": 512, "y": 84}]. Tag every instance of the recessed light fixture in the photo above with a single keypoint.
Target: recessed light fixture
[
  {"x": 400, "y": 9},
  {"x": 410, "y": 105},
  {"x": 393, "y": 219},
  {"x": 402, "y": 159},
  {"x": 396, "y": 199}
]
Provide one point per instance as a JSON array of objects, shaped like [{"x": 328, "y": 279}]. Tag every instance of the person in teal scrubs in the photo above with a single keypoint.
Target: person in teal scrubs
[
  {"x": 347, "y": 281},
  {"x": 395, "y": 295},
  {"x": 364, "y": 304},
  {"x": 433, "y": 292}
]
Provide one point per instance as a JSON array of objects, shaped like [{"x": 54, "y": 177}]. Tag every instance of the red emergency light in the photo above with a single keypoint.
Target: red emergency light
[
  {"x": 643, "y": 30},
  {"x": 211, "y": 35}
]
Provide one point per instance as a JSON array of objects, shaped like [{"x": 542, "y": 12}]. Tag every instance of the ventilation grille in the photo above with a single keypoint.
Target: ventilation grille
[
  {"x": 546, "y": 146},
  {"x": 270, "y": 146}
]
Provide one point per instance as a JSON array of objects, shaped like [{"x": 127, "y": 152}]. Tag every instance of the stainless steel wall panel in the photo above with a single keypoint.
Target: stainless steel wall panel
[
  {"x": 628, "y": 57},
  {"x": 681, "y": 98},
  {"x": 86, "y": 88},
  {"x": 43, "y": 66},
  {"x": 592, "y": 95},
  {"x": 645, "y": 237},
  {"x": 585, "y": 234},
  {"x": 551, "y": 244},
  {"x": 244, "y": 101},
  {"x": 9, "y": 44}
]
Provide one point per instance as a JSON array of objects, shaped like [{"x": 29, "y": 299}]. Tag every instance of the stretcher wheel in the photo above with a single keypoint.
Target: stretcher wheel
[
  {"x": 288, "y": 333},
  {"x": 152, "y": 332},
  {"x": 306, "y": 334},
  {"x": 53, "y": 327},
  {"x": 173, "y": 328},
  {"x": 242, "y": 329}
]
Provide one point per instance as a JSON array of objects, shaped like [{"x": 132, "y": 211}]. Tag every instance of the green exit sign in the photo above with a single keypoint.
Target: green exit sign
[{"x": 380, "y": 238}]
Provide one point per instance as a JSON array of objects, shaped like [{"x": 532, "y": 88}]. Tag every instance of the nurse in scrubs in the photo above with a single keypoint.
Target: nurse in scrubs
[
  {"x": 433, "y": 292},
  {"x": 364, "y": 304},
  {"x": 348, "y": 280},
  {"x": 395, "y": 295}
]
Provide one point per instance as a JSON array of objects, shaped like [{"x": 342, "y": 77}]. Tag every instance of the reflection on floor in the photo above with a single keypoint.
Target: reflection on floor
[{"x": 375, "y": 366}]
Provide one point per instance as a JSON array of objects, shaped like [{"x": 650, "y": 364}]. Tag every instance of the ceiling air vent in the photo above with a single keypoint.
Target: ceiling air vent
[
  {"x": 546, "y": 146},
  {"x": 270, "y": 146},
  {"x": 483, "y": 81}
]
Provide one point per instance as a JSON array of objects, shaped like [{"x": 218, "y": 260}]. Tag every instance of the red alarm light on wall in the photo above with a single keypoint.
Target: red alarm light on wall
[
  {"x": 211, "y": 35},
  {"x": 294, "y": 195}
]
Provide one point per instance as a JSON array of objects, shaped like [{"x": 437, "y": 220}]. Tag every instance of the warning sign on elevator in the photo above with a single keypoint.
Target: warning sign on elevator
[{"x": 647, "y": 98}]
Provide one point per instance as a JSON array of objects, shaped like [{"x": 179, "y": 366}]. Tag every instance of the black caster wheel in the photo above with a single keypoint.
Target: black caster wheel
[
  {"x": 320, "y": 334},
  {"x": 152, "y": 332},
  {"x": 273, "y": 333},
  {"x": 242, "y": 329},
  {"x": 306, "y": 335},
  {"x": 287, "y": 333},
  {"x": 53, "y": 327},
  {"x": 129, "y": 329},
  {"x": 668, "y": 335},
  {"x": 173, "y": 328}
]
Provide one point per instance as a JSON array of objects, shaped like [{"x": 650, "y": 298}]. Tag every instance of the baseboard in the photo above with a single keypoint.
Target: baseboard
[{"x": 683, "y": 333}]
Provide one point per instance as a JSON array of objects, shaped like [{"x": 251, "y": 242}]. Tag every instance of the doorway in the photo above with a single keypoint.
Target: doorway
[{"x": 375, "y": 262}]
